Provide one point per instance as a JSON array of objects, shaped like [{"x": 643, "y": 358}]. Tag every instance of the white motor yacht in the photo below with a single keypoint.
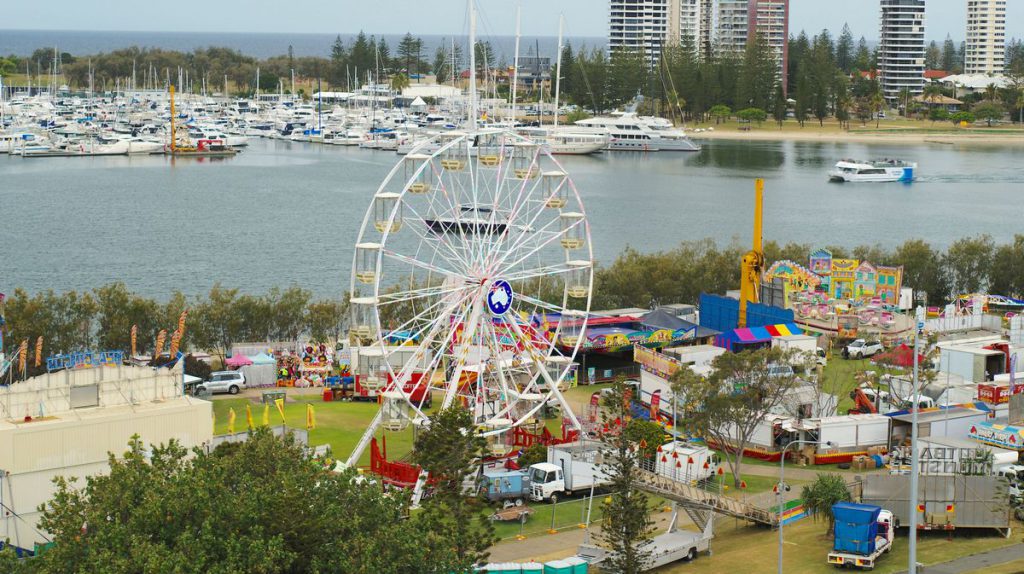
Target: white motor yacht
[{"x": 628, "y": 132}]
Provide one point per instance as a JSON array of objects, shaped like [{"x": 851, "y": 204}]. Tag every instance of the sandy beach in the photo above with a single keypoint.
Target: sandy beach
[{"x": 817, "y": 134}]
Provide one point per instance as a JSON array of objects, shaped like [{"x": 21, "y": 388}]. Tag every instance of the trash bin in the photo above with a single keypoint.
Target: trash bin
[{"x": 328, "y": 395}]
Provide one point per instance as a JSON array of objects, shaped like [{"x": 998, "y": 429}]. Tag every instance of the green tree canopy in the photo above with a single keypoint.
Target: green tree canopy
[{"x": 258, "y": 506}]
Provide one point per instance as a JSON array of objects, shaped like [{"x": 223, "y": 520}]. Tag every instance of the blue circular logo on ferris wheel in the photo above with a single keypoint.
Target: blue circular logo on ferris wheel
[{"x": 499, "y": 298}]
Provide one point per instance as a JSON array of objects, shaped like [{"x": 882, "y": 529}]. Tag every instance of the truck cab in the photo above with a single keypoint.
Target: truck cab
[
  {"x": 1014, "y": 475},
  {"x": 546, "y": 482}
]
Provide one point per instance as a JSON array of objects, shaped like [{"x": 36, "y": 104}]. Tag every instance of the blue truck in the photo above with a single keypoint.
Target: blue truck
[{"x": 863, "y": 533}]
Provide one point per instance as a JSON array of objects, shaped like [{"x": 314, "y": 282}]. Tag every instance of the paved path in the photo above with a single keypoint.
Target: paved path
[
  {"x": 976, "y": 562},
  {"x": 544, "y": 547}
]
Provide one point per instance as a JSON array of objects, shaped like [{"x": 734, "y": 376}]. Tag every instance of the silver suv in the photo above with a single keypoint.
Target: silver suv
[{"x": 223, "y": 382}]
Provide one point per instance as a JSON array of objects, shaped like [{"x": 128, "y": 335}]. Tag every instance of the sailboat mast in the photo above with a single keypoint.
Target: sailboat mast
[
  {"x": 172, "y": 118},
  {"x": 558, "y": 67},
  {"x": 515, "y": 60},
  {"x": 472, "y": 66}
]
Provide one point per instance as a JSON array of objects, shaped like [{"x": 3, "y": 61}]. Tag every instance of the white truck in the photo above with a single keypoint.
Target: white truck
[
  {"x": 570, "y": 468},
  {"x": 672, "y": 546}
]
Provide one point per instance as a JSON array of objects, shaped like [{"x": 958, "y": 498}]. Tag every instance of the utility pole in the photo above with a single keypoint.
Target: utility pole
[{"x": 915, "y": 461}]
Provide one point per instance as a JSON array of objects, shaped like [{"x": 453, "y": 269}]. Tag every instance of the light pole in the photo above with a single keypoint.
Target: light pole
[
  {"x": 782, "y": 485},
  {"x": 914, "y": 455}
]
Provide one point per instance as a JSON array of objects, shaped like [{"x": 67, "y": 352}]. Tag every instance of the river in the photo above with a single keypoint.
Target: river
[{"x": 282, "y": 213}]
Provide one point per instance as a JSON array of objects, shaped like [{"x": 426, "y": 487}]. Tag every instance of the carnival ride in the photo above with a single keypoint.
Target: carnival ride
[
  {"x": 461, "y": 249},
  {"x": 752, "y": 265}
]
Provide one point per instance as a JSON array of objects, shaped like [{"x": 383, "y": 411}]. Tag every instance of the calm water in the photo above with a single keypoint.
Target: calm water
[{"x": 283, "y": 213}]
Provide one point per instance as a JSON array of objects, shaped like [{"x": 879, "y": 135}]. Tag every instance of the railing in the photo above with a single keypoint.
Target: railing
[{"x": 690, "y": 494}]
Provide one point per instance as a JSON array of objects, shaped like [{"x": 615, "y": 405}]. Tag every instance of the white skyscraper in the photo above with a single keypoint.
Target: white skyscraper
[
  {"x": 639, "y": 24},
  {"x": 986, "y": 37},
  {"x": 901, "y": 52},
  {"x": 732, "y": 26}
]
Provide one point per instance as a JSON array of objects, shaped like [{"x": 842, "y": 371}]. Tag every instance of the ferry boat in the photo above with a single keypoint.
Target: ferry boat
[{"x": 885, "y": 170}]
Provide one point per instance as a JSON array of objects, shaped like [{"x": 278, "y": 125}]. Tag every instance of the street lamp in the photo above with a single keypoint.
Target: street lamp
[{"x": 782, "y": 486}]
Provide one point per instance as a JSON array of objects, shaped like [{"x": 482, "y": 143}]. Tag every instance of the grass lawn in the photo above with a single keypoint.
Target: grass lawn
[
  {"x": 338, "y": 424},
  {"x": 753, "y": 550}
]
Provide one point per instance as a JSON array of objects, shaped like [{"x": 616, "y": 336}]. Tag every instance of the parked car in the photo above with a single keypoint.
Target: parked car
[
  {"x": 861, "y": 349},
  {"x": 230, "y": 382}
]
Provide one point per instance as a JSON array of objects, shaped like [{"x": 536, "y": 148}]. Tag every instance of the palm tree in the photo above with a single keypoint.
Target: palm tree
[
  {"x": 399, "y": 82},
  {"x": 905, "y": 100},
  {"x": 877, "y": 101},
  {"x": 990, "y": 92},
  {"x": 822, "y": 494}
]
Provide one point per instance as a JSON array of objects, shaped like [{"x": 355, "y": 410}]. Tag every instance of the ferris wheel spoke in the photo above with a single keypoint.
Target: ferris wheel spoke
[
  {"x": 421, "y": 317},
  {"x": 424, "y": 232},
  {"x": 552, "y": 385},
  {"x": 545, "y": 271},
  {"x": 533, "y": 250},
  {"x": 422, "y": 264},
  {"x": 419, "y": 293}
]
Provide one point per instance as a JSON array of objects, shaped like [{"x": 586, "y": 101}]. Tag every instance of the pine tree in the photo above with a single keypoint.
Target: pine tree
[
  {"x": 780, "y": 107},
  {"x": 441, "y": 65},
  {"x": 844, "y": 50},
  {"x": 933, "y": 56},
  {"x": 862, "y": 61},
  {"x": 450, "y": 449},
  {"x": 339, "y": 61},
  {"x": 627, "y": 526},
  {"x": 570, "y": 74},
  {"x": 361, "y": 56},
  {"x": 408, "y": 52},
  {"x": 948, "y": 55},
  {"x": 758, "y": 76}
]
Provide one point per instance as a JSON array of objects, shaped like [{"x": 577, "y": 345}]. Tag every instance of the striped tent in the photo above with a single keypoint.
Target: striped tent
[{"x": 736, "y": 339}]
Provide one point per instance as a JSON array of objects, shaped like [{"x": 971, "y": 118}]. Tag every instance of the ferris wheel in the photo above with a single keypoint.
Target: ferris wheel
[{"x": 471, "y": 283}]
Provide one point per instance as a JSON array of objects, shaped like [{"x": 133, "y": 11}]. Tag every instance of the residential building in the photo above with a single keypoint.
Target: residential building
[
  {"x": 732, "y": 28},
  {"x": 639, "y": 25},
  {"x": 985, "y": 51},
  {"x": 770, "y": 18},
  {"x": 901, "y": 52},
  {"x": 690, "y": 22}
]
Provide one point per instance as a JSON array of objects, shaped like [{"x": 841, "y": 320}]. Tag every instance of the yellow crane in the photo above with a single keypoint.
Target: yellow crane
[{"x": 752, "y": 264}]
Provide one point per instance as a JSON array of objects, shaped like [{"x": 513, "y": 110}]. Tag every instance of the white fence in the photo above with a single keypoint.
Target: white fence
[{"x": 964, "y": 323}]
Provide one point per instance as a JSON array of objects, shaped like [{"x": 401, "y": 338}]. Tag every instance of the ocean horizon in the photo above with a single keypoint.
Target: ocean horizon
[{"x": 259, "y": 45}]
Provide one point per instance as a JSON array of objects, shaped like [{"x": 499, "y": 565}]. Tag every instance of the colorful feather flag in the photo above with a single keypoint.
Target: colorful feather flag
[
  {"x": 22, "y": 354},
  {"x": 310, "y": 417},
  {"x": 231, "y": 421},
  {"x": 135, "y": 336},
  {"x": 266, "y": 414},
  {"x": 181, "y": 322},
  {"x": 175, "y": 341},
  {"x": 39, "y": 351},
  {"x": 248, "y": 416},
  {"x": 279, "y": 403},
  {"x": 159, "y": 350}
]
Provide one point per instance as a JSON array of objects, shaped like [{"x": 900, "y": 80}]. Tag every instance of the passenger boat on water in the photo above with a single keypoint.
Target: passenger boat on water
[{"x": 885, "y": 170}]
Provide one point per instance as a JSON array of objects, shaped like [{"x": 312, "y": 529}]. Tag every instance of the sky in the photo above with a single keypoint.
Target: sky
[{"x": 429, "y": 17}]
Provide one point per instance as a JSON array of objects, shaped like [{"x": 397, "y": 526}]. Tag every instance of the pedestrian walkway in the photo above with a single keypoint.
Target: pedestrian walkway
[{"x": 976, "y": 562}]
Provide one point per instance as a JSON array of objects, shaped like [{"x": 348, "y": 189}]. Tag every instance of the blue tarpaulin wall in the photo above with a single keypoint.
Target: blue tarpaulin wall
[{"x": 722, "y": 313}]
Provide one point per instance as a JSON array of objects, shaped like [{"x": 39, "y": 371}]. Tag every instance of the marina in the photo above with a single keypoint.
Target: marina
[{"x": 278, "y": 192}]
